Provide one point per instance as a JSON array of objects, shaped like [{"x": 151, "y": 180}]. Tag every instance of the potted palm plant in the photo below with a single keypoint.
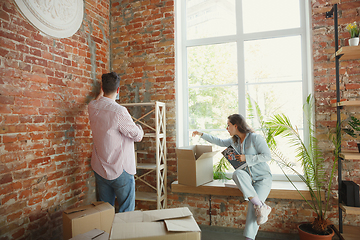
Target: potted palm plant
[
  {"x": 313, "y": 163},
  {"x": 354, "y": 130}
]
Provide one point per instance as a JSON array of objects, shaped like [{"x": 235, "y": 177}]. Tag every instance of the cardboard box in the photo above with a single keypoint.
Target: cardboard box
[
  {"x": 195, "y": 165},
  {"x": 80, "y": 220},
  {"x": 94, "y": 234},
  {"x": 165, "y": 224}
]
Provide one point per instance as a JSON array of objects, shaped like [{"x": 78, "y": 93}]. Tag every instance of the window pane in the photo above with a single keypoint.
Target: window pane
[
  {"x": 210, "y": 18},
  {"x": 273, "y": 77},
  {"x": 273, "y": 60},
  {"x": 212, "y": 64},
  {"x": 210, "y": 107},
  {"x": 271, "y": 16},
  {"x": 278, "y": 98},
  {"x": 290, "y": 153}
]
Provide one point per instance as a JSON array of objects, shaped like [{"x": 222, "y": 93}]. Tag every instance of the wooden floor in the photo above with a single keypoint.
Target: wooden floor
[
  {"x": 216, "y": 233},
  {"x": 350, "y": 232},
  {"x": 226, "y": 233}
]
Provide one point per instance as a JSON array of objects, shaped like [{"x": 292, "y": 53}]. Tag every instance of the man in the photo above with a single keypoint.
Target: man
[{"x": 113, "y": 157}]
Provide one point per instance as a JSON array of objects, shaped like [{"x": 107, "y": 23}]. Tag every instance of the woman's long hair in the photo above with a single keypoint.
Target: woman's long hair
[{"x": 242, "y": 126}]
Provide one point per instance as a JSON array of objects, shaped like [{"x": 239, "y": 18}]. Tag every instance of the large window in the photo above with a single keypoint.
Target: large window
[{"x": 234, "y": 52}]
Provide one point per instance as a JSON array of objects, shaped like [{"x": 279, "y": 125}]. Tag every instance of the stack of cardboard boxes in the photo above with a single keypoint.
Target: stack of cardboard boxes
[{"x": 98, "y": 221}]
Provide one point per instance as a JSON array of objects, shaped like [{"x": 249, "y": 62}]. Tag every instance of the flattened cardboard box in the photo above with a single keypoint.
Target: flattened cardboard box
[
  {"x": 94, "y": 234},
  {"x": 195, "y": 165},
  {"x": 80, "y": 220},
  {"x": 165, "y": 224}
]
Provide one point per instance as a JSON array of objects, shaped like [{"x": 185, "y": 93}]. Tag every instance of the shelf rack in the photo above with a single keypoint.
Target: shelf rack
[
  {"x": 344, "y": 53},
  {"x": 159, "y": 165}
]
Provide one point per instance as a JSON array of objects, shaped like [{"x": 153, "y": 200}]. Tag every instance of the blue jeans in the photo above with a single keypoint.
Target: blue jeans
[{"x": 122, "y": 187}]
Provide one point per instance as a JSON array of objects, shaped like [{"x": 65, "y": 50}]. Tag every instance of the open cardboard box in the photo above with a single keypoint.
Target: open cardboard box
[
  {"x": 165, "y": 224},
  {"x": 99, "y": 215},
  {"x": 195, "y": 165}
]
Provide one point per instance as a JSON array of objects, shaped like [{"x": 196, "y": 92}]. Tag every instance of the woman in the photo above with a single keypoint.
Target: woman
[{"x": 255, "y": 180}]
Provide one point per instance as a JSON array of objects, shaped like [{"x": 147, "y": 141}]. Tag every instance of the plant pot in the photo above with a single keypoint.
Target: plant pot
[
  {"x": 306, "y": 234},
  {"x": 354, "y": 41}
]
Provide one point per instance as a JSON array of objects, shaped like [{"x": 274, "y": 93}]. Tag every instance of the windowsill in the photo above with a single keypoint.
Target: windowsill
[{"x": 279, "y": 189}]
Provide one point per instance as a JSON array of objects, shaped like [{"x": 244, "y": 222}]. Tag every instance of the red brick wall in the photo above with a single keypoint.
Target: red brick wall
[
  {"x": 324, "y": 84},
  {"x": 143, "y": 54},
  {"x": 45, "y": 144}
]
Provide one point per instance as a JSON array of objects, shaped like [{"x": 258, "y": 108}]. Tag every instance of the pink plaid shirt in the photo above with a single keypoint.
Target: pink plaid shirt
[{"x": 114, "y": 133}]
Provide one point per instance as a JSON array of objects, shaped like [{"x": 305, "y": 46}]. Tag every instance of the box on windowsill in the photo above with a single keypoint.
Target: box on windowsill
[
  {"x": 164, "y": 224},
  {"x": 99, "y": 215},
  {"x": 195, "y": 165}
]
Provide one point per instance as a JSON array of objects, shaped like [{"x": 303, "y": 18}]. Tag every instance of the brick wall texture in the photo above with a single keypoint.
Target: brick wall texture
[
  {"x": 45, "y": 138},
  {"x": 46, "y": 83},
  {"x": 143, "y": 54}
]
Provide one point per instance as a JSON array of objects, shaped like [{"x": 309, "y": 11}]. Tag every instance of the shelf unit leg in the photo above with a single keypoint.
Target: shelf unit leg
[{"x": 334, "y": 13}]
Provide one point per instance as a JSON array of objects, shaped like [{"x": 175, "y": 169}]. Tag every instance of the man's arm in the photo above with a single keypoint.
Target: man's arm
[{"x": 128, "y": 128}]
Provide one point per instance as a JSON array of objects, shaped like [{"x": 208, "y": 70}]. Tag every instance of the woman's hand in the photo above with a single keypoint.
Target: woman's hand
[
  {"x": 240, "y": 158},
  {"x": 196, "y": 133}
]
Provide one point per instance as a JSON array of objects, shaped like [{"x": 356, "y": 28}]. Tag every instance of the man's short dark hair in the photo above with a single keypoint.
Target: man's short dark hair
[{"x": 110, "y": 82}]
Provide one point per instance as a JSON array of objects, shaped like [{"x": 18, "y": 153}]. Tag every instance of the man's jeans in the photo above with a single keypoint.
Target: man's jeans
[{"x": 122, "y": 187}]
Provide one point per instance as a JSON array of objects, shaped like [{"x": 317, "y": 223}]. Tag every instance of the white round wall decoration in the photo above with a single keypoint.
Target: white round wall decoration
[{"x": 56, "y": 18}]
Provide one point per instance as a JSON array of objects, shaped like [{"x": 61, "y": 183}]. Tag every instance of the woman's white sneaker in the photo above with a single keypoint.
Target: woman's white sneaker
[{"x": 262, "y": 213}]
